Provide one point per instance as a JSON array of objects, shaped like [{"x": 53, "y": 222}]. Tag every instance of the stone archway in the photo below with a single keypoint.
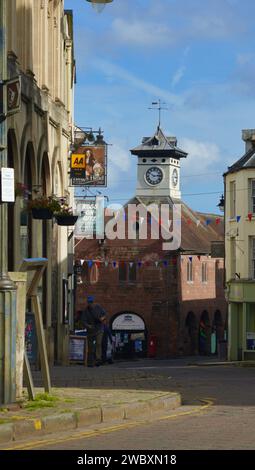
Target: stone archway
[
  {"x": 13, "y": 162},
  {"x": 217, "y": 331},
  {"x": 204, "y": 336},
  {"x": 190, "y": 346}
]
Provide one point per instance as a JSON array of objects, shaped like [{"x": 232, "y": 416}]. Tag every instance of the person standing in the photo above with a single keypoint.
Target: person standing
[{"x": 92, "y": 319}]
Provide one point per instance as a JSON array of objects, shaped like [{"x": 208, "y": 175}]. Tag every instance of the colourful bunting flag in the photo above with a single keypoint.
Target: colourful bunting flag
[
  {"x": 217, "y": 220},
  {"x": 208, "y": 221},
  {"x": 175, "y": 260},
  {"x": 106, "y": 263},
  {"x": 131, "y": 264},
  {"x": 114, "y": 264},
  {"x": 199, "y": 257},
  {"x": 238, "y": 218},
  {"x": 165, "y": 263},
  {"x": 139, "y": 264},
  {"x": 198, "y": 222},
  {"x": 190, "y": 259},
  {"x": 188, "y": 221},
  {"x": 90, "y": 263},
  {"x": 250, "y": 216},
  {"x": 98, "y": 263},
  {"x": 156, "y": 264}
]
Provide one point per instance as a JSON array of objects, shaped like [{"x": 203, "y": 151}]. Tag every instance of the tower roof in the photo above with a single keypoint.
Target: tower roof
[{"x": 159, "y": 143}]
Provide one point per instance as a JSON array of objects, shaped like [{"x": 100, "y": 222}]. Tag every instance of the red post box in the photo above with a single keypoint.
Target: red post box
[{"x": 152, "y": 346}]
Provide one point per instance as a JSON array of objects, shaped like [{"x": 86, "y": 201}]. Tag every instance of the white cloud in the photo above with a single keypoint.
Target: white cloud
[
  {"x": 245, "y": 58},
  {"x": 142, "y": 33},
  {"x": 178, "y": 75},
  {"x": 202, "y": 156},
  {"x": 154, "y": 91}
]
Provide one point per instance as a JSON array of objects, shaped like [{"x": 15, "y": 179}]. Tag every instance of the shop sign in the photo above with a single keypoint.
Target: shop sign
[{"x": 128, "y": 321}]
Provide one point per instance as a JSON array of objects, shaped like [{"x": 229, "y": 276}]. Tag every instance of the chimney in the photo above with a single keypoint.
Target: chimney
[{"x": 248, "y": 136}]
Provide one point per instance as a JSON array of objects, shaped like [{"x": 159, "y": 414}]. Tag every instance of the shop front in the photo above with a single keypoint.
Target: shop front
[
  {"x": 130, "y": 335},
  {"x": 241, "y": 298}
]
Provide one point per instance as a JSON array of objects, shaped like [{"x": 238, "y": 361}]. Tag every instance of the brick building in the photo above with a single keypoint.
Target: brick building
[{"x": 175, "y": 296}]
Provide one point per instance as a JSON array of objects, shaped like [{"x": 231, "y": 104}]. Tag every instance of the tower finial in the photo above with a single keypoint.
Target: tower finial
[{"x": 159, "y": 106}]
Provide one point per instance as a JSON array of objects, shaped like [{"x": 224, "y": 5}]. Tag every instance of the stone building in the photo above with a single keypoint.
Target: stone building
[
  {"x": 40, "y": 50},
  {"x": 174, "y": 298},
  {"x": 240, "y": 251}
]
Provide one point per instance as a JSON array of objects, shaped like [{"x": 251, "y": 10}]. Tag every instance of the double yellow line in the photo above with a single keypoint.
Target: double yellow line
[{"x": 207, "y": 403}]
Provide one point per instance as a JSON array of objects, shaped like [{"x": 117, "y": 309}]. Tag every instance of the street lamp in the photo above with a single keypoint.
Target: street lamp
[
  {"x": 221, "y": 204},
  {"x": 99, "y": 4}
]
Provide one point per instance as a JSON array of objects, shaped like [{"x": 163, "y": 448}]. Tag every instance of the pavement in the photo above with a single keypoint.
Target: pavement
[
  {"x": 180, "y": 403},
  {"x": 82, "y": 397}
]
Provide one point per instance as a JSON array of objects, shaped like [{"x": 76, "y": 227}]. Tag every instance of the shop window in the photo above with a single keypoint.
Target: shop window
[
  {"x": 250, "y": 326},
  {"x": 252, "y": 257}
]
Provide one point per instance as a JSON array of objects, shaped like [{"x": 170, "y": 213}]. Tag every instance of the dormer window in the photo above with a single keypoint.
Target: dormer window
[{"x": 154, "y": 141}]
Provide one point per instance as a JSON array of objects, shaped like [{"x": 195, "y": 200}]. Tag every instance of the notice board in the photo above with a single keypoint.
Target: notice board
[{"x": 78, "y": 349}]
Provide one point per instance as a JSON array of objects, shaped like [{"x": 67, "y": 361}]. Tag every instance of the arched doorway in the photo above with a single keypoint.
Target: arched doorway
[
  {"x": 204, "y": 337},
  {"x": 130, "y": 334},
  {"x": 217, "y": 332},
  {"x": 25, "y": 216},
  {"x": 12, "y": 152},
  {"x": 191, "y": 334},
  {"x": 43, "y": 236}
]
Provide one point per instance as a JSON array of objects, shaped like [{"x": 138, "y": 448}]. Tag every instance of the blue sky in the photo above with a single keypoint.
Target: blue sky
[{"x": 198, "y": 56}]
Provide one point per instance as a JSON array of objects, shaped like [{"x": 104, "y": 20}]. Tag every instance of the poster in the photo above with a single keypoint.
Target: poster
[
  {"x": 91, "y": 220},
  {"x": 77, "y": 348}
]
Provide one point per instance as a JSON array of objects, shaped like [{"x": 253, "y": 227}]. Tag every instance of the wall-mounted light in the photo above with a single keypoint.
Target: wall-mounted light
[
  {"x": 221, "y": 204},
  {"x": 99, "y": 5}
]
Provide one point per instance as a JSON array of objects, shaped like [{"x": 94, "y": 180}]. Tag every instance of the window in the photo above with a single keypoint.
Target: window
[
  {"x": 252, "y": 246},
  {"x": 122, "y": 272},
  {"x": 132, "y": 272},
  {"x": 252, "y": 196},
  {"x": 233, "y": 257},
  {"x": 189, "y": 271},
  {"x": 232, "y": 199},
  {"x": 127, "y": 272},
  {"x": 204, "y": 272}
]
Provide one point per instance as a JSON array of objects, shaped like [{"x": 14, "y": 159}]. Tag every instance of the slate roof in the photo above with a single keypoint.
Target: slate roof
[
  {"x": 246, "y": 161},
  {"x": 159, "y": 143}
]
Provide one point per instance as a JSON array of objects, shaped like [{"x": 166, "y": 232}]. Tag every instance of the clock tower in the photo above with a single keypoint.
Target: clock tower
[{"x": 158, "y": 167}]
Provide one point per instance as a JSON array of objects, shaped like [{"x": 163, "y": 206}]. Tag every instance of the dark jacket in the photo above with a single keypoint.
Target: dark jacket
[{"x": 92, "y": 319}]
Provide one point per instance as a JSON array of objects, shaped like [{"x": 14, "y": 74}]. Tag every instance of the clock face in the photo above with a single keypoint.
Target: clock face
[
  {"x": 175, "y": 177},
  {"x": 154, "y": 175}
]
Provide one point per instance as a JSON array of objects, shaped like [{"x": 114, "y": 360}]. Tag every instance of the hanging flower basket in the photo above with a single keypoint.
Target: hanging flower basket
[
  {"x": 43, "y": 207},
  {"x": 42, "y": 213},
  {"x": 66, "y": 220}
]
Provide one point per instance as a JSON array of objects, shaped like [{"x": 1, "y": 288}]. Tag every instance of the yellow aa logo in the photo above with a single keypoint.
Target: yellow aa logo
[{"x": 78, "y": 161}]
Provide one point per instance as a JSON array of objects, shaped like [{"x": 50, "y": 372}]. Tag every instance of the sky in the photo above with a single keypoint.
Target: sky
[{"x": 197, "y": 56}]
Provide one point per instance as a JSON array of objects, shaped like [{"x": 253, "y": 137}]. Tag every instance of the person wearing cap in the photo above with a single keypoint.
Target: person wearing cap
[{"x": 92, "y": 318}]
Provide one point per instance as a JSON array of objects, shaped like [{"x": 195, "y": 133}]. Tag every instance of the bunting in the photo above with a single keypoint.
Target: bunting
[
  {"x": 238, "y": 218},
  {"x": 250, "y": 216}
]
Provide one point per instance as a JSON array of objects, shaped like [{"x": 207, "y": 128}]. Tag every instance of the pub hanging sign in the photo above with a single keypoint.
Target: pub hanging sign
[{"x": 88, "y": 166}]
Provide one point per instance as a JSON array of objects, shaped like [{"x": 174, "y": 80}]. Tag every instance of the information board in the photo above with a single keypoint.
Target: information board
[{"x": 77, "y": 349}]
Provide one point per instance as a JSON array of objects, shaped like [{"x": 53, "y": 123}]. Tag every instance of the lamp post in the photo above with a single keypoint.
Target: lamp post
[{"x": 7, "y": 287}]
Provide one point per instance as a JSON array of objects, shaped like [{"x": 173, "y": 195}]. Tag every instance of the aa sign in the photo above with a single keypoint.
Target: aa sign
[{"x": 78, "y": 161}]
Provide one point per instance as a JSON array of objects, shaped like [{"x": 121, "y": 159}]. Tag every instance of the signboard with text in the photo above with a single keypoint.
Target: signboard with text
[
  {"x": 89, "y": 221},
  {"x": 88, "y": 166}
]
